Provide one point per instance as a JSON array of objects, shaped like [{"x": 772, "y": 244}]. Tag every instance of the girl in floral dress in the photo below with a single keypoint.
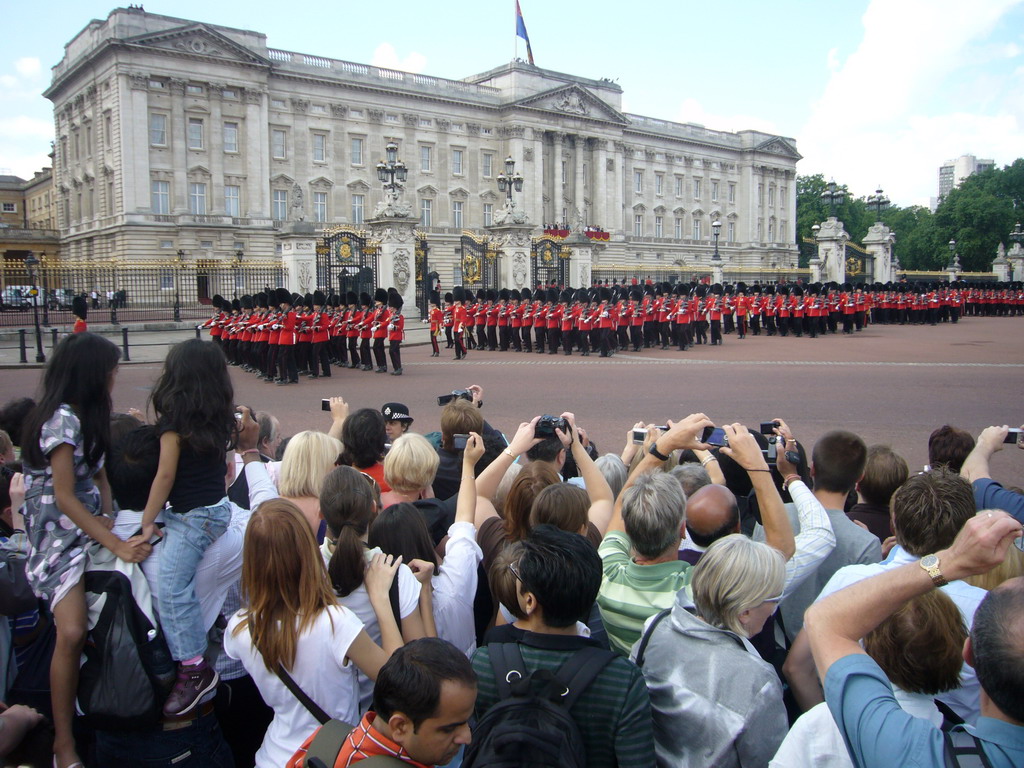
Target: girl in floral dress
[{"x": 68, "y": 505}]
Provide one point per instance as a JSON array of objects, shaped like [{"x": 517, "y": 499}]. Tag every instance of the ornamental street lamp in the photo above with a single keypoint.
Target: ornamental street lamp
[
  {"x": 833, "y": 196},
  {"x": 877, "y": 202},
  {"x": 1017, "y": 235},
  {"x": 392, "y": 172},
  {"x": 509, "y": 179},
  {"x": 716, "y": 230},
  {"x": 31, "y": 262},
  {"x": 954, "y": 260}
]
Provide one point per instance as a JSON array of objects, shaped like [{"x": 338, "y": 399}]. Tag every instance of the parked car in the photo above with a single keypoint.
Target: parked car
[{"x": 15, "y": 297}]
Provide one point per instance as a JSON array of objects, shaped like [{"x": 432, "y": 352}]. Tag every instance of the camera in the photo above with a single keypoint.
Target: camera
[
  {"x": 459, "y": 442},
  {"x": 769, "y": 427},
  {"x": 547, "y": 425},
  {"x": 1013, "y": 437},
  {"x": 456, "y": 394},
  {"x": 639, "y": 435},
  {"x": 714, "y": 436}
]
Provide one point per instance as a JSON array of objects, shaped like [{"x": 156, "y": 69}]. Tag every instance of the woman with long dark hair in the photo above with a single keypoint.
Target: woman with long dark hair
[{"x": 68, "y": 504}]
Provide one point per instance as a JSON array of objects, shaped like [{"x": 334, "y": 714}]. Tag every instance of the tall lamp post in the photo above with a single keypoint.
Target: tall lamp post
[
  {"x": 716, "y": 230},
  {"x": 179, "y": 264},
  {"x": 833, "y": 196},
  {"x": 31, "y": 262},
  {"x": 238, "y": 270},
  {"x": 392, "y": 172},
  {"x": 1017, "y": 235},
  {"x": 508, "y": 180},
  {"x": 954, "y": 260},
  {"x": 877, "y": 202}
]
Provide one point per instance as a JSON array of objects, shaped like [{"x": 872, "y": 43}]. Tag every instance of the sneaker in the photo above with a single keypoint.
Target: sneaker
[{"x": 194, "y": 681}]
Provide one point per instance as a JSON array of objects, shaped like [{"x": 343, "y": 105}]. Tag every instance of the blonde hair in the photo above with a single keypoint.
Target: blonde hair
[
  {"x": 307, "y": 460},
  {"x": 411, "y": 464},
  {"x": 734, "y": 575},
  {"x": 1011, "y": 567}
]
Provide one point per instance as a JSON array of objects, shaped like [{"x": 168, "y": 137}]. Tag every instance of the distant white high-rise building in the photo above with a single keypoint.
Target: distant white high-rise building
[{"x": 952, "y": 172}]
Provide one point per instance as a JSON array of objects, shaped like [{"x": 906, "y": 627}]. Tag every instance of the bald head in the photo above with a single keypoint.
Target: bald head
[{"x": 711, "y": 513}]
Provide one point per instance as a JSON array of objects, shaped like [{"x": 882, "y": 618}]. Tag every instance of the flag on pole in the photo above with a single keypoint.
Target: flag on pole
[{"x": 521, "y": 31}]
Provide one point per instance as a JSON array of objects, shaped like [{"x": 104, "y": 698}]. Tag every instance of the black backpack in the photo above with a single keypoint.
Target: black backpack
[
  {"x": 127, "y": 670},
  {"x": 530, "y": 724}
]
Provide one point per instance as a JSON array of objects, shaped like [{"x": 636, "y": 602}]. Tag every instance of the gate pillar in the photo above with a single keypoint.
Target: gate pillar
[{"x": 396, "y": 259}]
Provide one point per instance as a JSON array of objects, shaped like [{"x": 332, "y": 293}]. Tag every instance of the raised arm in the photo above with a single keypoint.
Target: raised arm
[
  {"x": 816, "y": 539},
  {"x": 836, "y": 624},
  {"x": 339, "y": 412},
  {"x": 490, "y": 478},
  {"x": 601, "y": 500},
  {"x": 680, "y": 436},
  {"x": 465, "y": 505},
  {"x": 743, "y": 448}
]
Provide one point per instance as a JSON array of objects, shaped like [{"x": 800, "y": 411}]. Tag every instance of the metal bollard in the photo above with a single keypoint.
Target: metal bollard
[
  {"x": 22, "y": 345},
  {"x": 198, "y": 333},
  {"x": 53, "y": 333},
  {"x": 124, "y": 346}
]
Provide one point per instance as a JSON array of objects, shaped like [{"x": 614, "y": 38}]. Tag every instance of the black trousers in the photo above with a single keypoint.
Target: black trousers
[
  {"x": 378, "y": 353},
  {"x": 286, "y": 363},
  {"x": 319, "y": 359},
  {"x": 395, "y": 353},
  {"x": 716, "y": 331}
]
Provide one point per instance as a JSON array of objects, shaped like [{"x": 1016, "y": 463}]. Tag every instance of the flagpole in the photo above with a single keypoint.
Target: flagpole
[{"x": 515, "y": 30}]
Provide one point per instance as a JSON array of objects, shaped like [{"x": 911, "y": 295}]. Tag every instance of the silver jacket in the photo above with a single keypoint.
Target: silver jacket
[{"x": 715, "y": 702}]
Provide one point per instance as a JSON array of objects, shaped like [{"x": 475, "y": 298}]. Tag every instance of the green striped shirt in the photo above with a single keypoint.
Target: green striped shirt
[
  {"x": 630, "y": 593},
  {"x": 613, "y": 715}
]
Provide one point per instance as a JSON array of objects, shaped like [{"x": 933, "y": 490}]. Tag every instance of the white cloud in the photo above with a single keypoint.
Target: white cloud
[
  {"x": 28, "y": 66},
  {"x": 833, "y": 59},
  {"x": 386, "y": 56},
  {"x": 872, "y": 123},
  {"x": 691, "y": 111},
  {"x": 23, "y": 126}
]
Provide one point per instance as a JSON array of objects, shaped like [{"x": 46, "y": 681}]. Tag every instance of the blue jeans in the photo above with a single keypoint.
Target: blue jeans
[
  {"x": 198, "y": 744},
  {"x": 186, "y": 538}
]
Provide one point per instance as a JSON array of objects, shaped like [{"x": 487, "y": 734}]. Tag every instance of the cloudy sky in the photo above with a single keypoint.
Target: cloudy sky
[{"x": 876, "y": 92}]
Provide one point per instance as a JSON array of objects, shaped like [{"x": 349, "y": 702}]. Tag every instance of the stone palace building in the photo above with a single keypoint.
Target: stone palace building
[{"x": 174, "y": 135}]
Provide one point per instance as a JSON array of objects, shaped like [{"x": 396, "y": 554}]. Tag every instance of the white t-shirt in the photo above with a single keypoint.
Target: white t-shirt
[
  {"x": 358, "y": 601},
  {"x": 320, "y": 670},
  {"x": 454, "y": 588}
]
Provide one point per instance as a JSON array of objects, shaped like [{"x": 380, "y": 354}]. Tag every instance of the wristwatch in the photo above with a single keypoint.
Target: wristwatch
[
  {"x": 930, "y": 563},
  {"x": 653, "y": 450}
]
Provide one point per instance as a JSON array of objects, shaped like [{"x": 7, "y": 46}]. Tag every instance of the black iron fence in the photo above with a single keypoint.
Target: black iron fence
[{"x": 118, "y": 292}]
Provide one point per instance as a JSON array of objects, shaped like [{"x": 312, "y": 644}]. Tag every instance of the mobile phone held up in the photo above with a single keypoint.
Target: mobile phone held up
[
  {"x": 639, "y": 435},
  {"x": 1013, "y": 437},
  {"x": 459, "y": 442}
]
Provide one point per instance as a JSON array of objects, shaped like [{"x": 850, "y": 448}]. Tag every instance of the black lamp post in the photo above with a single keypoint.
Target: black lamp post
[
  {"x": 31, "y": 262},
  {"x": 1017, "y": 235},
  {"x": 179, "y": 263},
  {"x": 877, "y": 202},
  {"x": 716, "y": 230},
  {"x": 954, "y": 260},
  {"x": 238, "y": 269},
  {"x": 392, "y": 172},
  {"x": 508, "y": 180},
  {"x": 833, "y": 196}
]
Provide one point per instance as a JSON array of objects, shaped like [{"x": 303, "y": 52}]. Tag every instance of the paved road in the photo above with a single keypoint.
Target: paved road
[{"x": 889, "y": 384}]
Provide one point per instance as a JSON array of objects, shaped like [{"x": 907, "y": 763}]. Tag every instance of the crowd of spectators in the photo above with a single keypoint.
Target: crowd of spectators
[{"x": 380, "y": 594}]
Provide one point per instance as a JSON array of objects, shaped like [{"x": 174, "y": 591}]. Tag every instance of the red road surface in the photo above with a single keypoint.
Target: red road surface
[{"x": 890, "y": 384}]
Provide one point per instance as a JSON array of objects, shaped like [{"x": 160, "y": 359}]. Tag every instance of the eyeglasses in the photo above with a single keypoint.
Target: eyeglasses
[
  {"x": 775, "y": 600},
  {"x": 514, "y": 569}
]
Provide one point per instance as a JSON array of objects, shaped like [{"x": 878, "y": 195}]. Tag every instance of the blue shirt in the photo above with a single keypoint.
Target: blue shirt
[
  {"x": 879, "y": 733},
  {"x": 988, "y": 494}
]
